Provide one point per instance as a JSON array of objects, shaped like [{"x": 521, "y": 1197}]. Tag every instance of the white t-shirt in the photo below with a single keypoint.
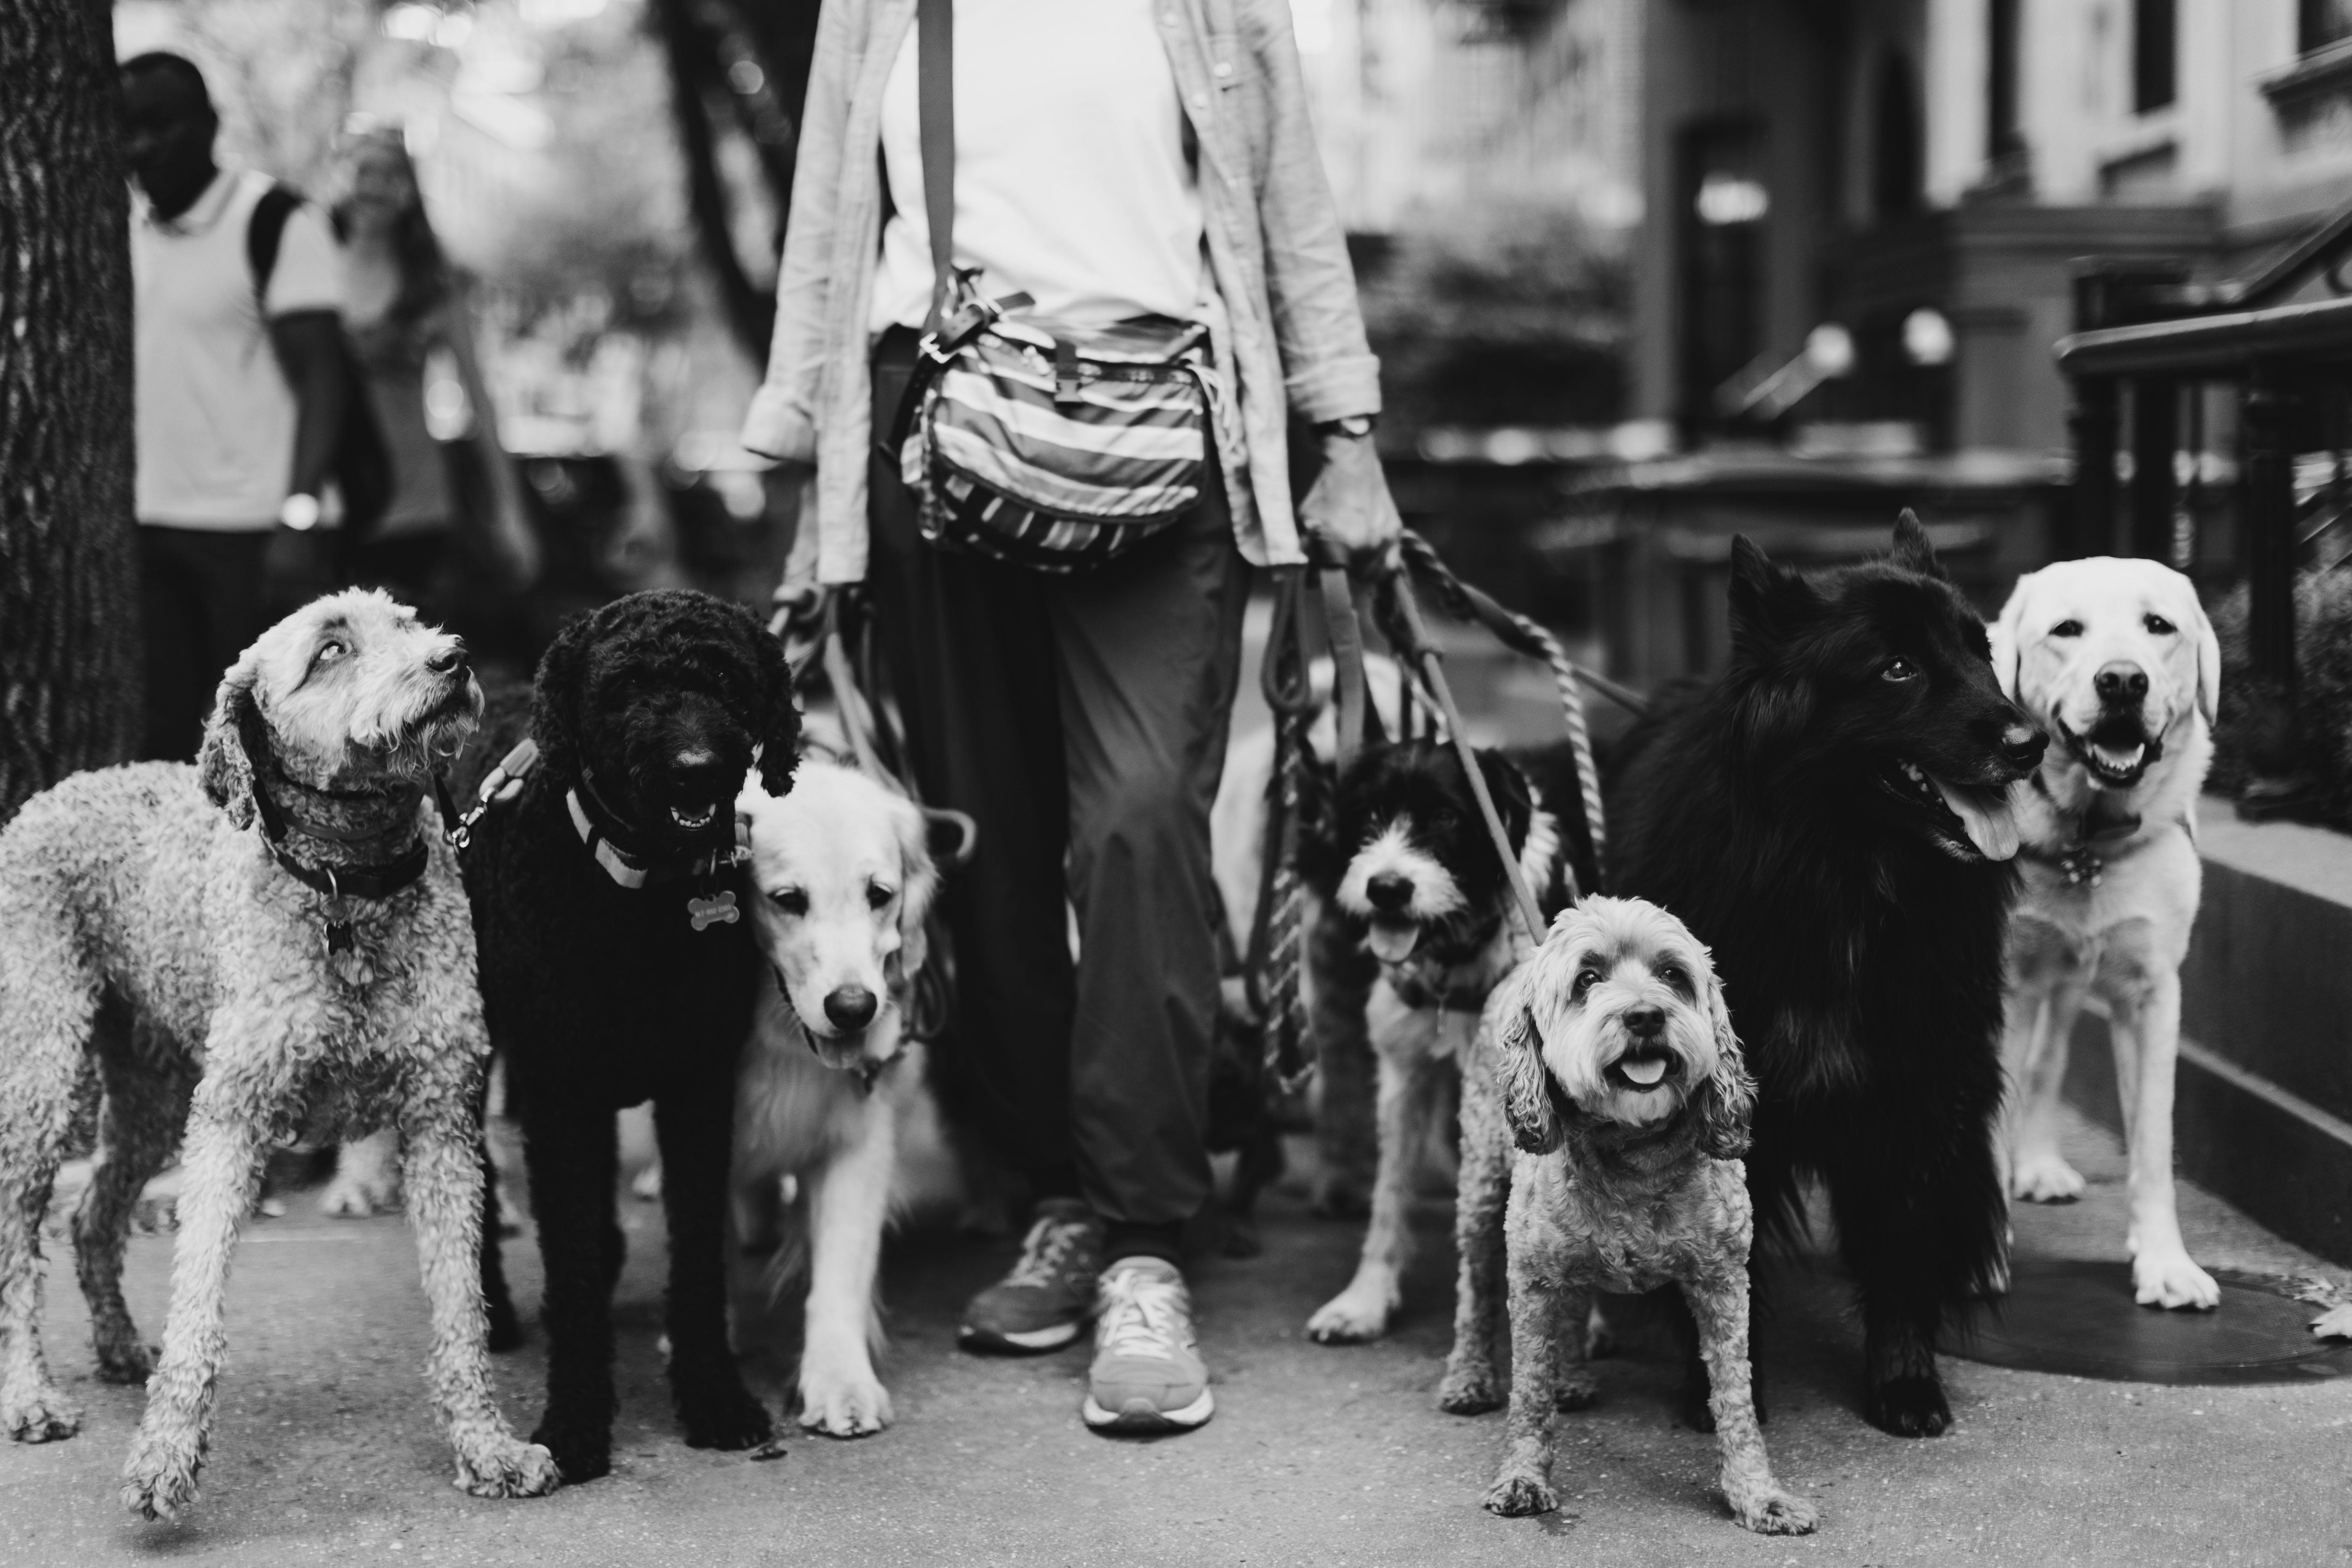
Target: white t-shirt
[
  {"x": 1070, "y": 179},
  {"x": 215, "y": 417}
]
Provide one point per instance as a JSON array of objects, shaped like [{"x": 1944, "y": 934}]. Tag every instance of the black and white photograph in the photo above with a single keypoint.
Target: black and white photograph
[{"x": 1385, "y": 784}]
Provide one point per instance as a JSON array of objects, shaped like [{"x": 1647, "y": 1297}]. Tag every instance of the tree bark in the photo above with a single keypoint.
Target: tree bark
[{"x": 69, "y": 653}]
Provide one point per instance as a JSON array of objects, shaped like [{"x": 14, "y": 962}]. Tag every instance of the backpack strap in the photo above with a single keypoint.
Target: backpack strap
[
  {"x": 935, "y": 107},
  {"x": 264, "y": 231}
]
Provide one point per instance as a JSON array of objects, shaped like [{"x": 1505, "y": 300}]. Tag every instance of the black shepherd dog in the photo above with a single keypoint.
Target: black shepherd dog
[{"x": 1829, "y": 817}]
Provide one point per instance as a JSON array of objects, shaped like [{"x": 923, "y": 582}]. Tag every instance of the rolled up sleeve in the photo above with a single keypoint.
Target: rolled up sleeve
[
  {"x": 781, "y": 420},
  {"x": 1328, "y": 369}
]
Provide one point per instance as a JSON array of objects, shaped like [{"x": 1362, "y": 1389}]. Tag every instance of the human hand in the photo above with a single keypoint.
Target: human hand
[{"x": 1349, "y": 503}]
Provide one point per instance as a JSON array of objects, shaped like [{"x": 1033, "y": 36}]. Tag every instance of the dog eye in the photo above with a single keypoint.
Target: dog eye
[
  {"x": 2159, "y": 625},
  {"x": 329, "y": 651},
  {"x": 1899, "y": 669},
  {"x": 792, "y": 901},
  {"x": 1586, "y": 979},
  {"x": 1672, "y": 974},
  {"x": 879, "y": 896},
  {"x": 2068, "y": 629}
]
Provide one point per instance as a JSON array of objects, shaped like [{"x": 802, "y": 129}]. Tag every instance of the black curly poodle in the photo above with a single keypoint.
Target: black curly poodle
[{"x": 612, "y": 975}]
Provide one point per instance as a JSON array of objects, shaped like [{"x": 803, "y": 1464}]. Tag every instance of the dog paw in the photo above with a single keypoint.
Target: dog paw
[
  {"x": 1518, "y": 1495},
  {"x": 1576, "y": 1390},
  {"x": 125, "y": 1361},
  {"x": 38, "y": 1415},
  {"x": 726, "y": 1418},
  {"x": 843, "y": 1407},
  {"x": 159, "y": 1479},
  {"x": 1771, "y": 1511},
  {"x": 1908, "y": 1407},
  {"x": 2336, "y": 1323},
  {"x": 1470, "y": 1391},
  {"x": 505, "y": 1467},
  {"x": 580, "y": 1453},
  {"x": 2172, "y": 1281},
  {"x": 2045, "y": 1179},
  {"x": 356, "y": 1197},
  {"x": 1359, "y": 1313}
]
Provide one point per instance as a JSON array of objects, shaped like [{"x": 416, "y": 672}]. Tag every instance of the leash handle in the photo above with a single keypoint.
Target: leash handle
[{"x": 1432, "y": 666}]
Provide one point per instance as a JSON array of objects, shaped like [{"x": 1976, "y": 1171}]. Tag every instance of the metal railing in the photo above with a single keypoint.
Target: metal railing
[{"x": 2163, "y": 371}]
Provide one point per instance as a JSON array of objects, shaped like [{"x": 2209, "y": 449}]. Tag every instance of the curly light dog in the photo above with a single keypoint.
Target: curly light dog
[
  {"x": 300, "y": 946},
  {"x": 1623, "y": 1086}
]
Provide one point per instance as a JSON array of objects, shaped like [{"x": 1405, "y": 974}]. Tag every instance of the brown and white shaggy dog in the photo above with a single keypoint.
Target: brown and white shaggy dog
[
  {"x": 830, "y": 1085},
  {"x": 273, "y": 938},
  {"x": 1623, "y": 1085}
]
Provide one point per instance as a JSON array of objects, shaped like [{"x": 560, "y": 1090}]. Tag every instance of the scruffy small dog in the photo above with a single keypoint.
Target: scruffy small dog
[
  {"x": 1624, "y": 1088},
  {"x": 274, "y": 937},
  {"x": 1410, "y": 863},
  {"x": 841, "y": 879}
]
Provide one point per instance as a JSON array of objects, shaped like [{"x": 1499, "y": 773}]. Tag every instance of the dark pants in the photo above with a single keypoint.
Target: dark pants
[
  {"x": 1081, "y": 721},
  {"x": 200, "y": 603}
]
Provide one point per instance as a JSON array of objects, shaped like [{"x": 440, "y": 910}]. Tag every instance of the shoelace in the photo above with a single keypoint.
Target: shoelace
[
  {"x": 1141, "y": 1315},
  {"x": 1047, "y": 1246}
]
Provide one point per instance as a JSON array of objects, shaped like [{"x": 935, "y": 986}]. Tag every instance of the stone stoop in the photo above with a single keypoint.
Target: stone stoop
[{"x": 2262, "y": 1108}]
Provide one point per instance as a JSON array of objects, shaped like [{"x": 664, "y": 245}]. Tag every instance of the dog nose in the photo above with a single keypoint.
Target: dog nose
[
  {"x": 850, "y": 1007},
  {"x": 1388, "y": 891},
  {"x": 2120, "y": 682},
  {"x": 1643, "y": 1023},
  {"x": 2021, "y": 745},
  {"x": 448, "y": 660}
]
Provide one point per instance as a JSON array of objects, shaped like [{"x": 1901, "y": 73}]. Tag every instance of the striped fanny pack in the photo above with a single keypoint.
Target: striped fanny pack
[
  {"x": 1034, "y": 446},
  {"x": 1022, "y": 440}
]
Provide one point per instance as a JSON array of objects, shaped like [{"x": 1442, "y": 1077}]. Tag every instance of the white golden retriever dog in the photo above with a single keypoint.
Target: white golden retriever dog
[
  {"x": 830, "y": 1089},
  {"x": 2117, "y": 660},
  {"x": 1623, "y": 1086}
]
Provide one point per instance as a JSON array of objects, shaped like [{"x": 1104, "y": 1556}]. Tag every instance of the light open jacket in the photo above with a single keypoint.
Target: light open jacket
[{"x": 1285, "y": 318}]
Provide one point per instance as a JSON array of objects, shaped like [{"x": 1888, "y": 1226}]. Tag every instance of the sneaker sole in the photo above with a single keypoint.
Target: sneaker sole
[
  {"x": 1140, "y": 1415},
  {"x": 1028, "y": 1342}
]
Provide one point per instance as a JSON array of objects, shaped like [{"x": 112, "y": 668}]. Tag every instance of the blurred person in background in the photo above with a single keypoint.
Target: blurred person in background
[
  {"x": 1115, "y": 159},
  {"x": 239, "y": 397},
  {"x": 402, "y": 301}
]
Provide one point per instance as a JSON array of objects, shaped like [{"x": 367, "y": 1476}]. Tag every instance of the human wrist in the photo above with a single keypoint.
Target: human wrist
[{"x": 1349, "y": 427}]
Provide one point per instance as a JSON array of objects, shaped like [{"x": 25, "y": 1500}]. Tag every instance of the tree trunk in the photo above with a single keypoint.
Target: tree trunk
[{"x": 69, "y": 653}]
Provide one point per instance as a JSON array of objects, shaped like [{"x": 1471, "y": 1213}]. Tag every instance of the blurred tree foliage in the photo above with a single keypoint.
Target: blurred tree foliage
[
  {"x": 280, "y": 72},
  {"x": 1505, "y": 315}
]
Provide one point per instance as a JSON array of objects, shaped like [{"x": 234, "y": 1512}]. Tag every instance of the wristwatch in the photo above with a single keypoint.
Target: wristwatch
[
  {"x": 1355, "y": 426},
  {"x": 300, "y": 513}
]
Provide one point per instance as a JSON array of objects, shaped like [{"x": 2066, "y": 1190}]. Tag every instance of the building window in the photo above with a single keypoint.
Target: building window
[
  {"x": 1898, "y": 175},
  {"x": 2319, "y": 23},
  {"x": 2004, "y": 132},
  {"x": 2156, "y": 52}
]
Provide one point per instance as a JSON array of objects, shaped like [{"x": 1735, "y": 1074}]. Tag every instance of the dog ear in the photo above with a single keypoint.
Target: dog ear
[
  {"x": 556, "y": 699},
  {"x": 1508, "y": 785},
  {"x": 223, "y": 765},
  {"x": 1528, "y": 1103},
  {"x": 1768, "y": 601},
  {"x": 2008, "y": 656},
  {"x": 2209, "y": 657},
  {"x": 918, "y": 885},
  {"x": 779, "y": 717},
  {"x": 1728, "y": 1098},
  {"x": 1912, "y": 551}
]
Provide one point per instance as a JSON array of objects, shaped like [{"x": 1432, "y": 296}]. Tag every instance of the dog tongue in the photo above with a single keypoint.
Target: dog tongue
[
  {"x": 1643, "y": 1070},
  {"x": 1392, "y": 941},
  {"x": 1991, "y": 825}
]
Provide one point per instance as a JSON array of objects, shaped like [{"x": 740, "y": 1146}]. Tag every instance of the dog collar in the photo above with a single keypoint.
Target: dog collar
[
  {"x": 341, "y": 882},
  {"x": 1421, "y": 996},
  {"x": 631, "y": 871},
  {"x": 2101, "y": 832}
]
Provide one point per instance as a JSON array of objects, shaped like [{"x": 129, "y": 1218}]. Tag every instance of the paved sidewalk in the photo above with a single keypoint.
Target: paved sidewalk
[{"x": 324, "y": 1450}]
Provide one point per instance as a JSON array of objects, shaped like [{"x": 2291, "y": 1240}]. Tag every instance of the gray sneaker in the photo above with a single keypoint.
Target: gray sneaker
[
  {"x": 1148, "y": 1374},
  {"x": 1049, "y": 1295}
]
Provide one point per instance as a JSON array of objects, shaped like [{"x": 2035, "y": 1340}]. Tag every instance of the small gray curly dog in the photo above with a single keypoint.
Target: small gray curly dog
[
  {"x": 1623, "y": 1086},
  {"x": 321, "y": 967}
]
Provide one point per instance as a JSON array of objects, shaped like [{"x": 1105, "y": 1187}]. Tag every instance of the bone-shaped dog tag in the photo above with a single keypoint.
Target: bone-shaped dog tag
[{"x": 718, "y": 910}]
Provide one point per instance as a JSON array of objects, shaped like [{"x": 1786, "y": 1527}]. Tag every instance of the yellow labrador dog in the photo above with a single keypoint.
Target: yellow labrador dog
[
  {"x": 2117, "y": 660},
  {"x": 830, "y": 1089}
]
